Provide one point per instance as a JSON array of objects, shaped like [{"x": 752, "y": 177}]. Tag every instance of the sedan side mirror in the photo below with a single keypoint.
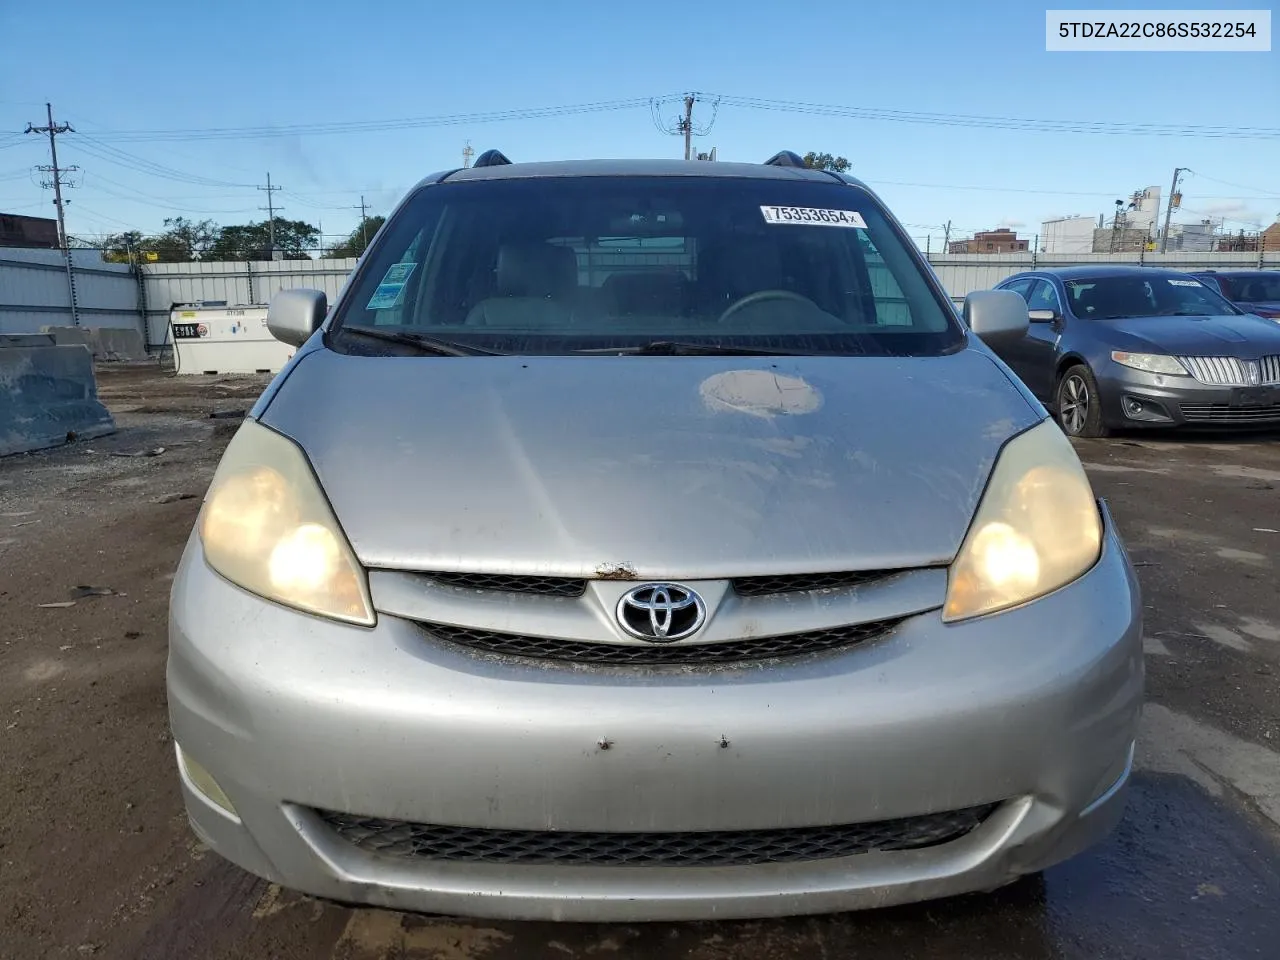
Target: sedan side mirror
[
  {"x": 1042, "y": 316},
  {"x": 294, "y": 315},
  {"x": 998, "y": 317}
]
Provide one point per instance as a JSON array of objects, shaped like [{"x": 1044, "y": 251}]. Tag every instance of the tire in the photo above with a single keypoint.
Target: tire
[{"x": 1078, "y": 403}]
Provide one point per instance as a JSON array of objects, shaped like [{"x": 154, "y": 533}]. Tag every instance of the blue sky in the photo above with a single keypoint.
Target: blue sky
[{"x": 162, "y": 67}]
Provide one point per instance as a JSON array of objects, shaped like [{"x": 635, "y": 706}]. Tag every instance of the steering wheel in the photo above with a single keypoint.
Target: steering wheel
[{"x": 762, "y": 295}]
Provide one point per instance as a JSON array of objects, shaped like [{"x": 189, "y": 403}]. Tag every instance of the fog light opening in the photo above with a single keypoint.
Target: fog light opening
[
  {"x": 202, "y": 782},
  {"x": 1140, "y": 408}
]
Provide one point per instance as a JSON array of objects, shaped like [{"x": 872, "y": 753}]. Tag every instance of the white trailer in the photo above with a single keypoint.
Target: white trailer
[{"x": 211, "y": 338}]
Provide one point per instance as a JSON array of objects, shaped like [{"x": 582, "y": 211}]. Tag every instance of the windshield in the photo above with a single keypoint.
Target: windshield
[
  {"x": 560, "y": 265},
  {"x": 1113, "y": 298},
  {"x": 1252, "y": 288}
]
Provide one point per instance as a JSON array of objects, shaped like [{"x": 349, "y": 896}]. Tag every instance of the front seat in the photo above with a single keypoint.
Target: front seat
[{"x": 535, "y": 282}]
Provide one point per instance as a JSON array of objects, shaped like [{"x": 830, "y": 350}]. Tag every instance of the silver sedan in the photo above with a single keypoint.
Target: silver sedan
[{"x": 650, "y": 541}]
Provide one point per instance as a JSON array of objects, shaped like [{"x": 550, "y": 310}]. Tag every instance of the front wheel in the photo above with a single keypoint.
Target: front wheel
[{"x": 1079, "y": 404}]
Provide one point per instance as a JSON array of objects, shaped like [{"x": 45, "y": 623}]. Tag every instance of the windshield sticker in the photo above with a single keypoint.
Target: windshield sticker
[
  {"x": 390, "y": 291},
  {"x": 814, "y": 217},
  {"x": 1185, "y": 283}
]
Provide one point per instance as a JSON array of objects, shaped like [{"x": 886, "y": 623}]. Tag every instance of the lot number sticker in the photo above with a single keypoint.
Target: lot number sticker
[
  {"x": 388, "y": 293},
  {"x": 814, "y": 217},
  {"x": 1184, "y": 283}
]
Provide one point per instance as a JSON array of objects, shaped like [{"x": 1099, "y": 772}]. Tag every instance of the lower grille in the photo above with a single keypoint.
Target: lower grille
[
  {"x": 728, "y": 651},
  {"x": 1260, "y": 413},
  {"x": 713, "y": 848}
]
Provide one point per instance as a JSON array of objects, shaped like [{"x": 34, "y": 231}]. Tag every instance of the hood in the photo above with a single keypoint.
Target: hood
[
  {"x": 663, "y": 466},
  {"x": 1245, "y": 336}
]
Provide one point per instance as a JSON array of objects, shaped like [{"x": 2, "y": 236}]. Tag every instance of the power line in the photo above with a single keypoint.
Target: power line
[
  {"x": 1007, "y": 123},
  {"x": 369, "y": 126}
]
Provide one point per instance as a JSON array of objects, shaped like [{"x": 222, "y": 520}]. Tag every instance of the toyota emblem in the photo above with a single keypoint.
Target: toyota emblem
[{"x": 661, "y": 612}]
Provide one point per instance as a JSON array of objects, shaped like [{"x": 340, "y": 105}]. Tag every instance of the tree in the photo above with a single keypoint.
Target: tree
[
  {"x": 182, "y": 240},
  {"x": 825, "y": 161},
  {"x": 252, "y": 241},
  {"x": 117, "y": 247},
  {"x": 354, "y": 243}
]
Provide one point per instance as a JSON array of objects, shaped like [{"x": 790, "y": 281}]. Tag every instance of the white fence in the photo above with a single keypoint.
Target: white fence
[
  {"x": 35, "y": 292},
  {"x": 236, "y": 282}
]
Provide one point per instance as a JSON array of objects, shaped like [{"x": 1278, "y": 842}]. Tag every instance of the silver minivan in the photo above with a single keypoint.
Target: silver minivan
[{"x": 650, "y": 540}]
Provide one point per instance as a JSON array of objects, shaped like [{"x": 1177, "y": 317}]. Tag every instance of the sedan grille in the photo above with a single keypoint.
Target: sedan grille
[
  {"x": 1231, "y": 372},
  {"x": 1258, "y": 413},
  {"x": 728, "y": 651},
  {"x": 712, "y": 848}
]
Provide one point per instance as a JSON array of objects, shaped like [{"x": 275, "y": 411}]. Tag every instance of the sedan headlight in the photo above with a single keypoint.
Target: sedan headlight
[
  {"x": 1150, "y": 362},
  {"x": 267, "y": 527},
  {"x": 1037, "y": 528}
]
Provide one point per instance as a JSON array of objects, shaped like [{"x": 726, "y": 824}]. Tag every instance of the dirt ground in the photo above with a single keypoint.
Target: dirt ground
[{"x": 96, "y": 858}]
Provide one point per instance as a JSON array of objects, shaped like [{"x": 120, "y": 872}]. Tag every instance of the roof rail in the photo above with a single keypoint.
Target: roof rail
[
  {"x": 491, "y": 158},
  {"x": 785, "y": 158}
]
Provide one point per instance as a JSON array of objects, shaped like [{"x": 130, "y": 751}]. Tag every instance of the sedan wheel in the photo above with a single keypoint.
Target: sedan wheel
[{"x": 1078, "y": 403}]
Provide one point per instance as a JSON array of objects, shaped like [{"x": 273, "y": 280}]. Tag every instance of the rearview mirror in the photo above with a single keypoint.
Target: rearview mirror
[
  {"x": 294, "y": 315},
  {"x": 998, "y": 317},
  {"x": 1042, "y": 316}
]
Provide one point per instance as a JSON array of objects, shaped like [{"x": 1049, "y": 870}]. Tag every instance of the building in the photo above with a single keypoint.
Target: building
[
  {"x": 1121, "y": 239},
  {"x": 19, "y": 231},
  {"x": 1072, "y": 234},
  {"x": 1192, "y": 237},
  {"x": 1271, "y": 237},
  {"x": 1002, "y": 240}
]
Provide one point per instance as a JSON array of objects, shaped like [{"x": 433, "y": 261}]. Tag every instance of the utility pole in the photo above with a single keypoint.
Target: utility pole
[
  {"x": 56, "y": 172},
  {"x": 946, "y": 238},
  {"x": 364, "y": 220},
  {"x": 686, "y": 126},
  {"x": 271, "y": 209},
  {"x": 1168, "y": 210}
]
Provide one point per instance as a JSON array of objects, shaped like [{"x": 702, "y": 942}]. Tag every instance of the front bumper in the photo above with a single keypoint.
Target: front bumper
[
  {"x": 1034, "y": 709},
  {"x": 1183, "y": 401}
]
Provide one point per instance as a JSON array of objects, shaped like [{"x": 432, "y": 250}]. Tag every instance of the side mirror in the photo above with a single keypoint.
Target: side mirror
[
  {"x": 998, "y": 317},
  {"x": 1042, "y": 316},
  {"x": 294, "y": 315}
]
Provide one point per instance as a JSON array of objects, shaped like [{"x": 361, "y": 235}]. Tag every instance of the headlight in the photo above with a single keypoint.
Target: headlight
[
  {"x": 1150, "y": 362},
  {"x": 268, "y": 528},
  {"x": 1036, "y": 529}
]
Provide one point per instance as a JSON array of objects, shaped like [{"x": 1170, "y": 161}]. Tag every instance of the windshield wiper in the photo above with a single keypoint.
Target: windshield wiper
[
  {"x": 425, "y": 343},
  {"x": 673, "y": 348}
]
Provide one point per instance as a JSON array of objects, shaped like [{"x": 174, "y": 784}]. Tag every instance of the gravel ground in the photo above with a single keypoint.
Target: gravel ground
[{"x": 96, "y": 858}]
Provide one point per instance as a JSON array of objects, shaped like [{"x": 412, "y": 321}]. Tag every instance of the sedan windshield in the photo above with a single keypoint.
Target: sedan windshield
[
  {"x": 1134, "y": 295},
  {"x": 560, "y": 265},
  {"x": 1253, "y": 288}
]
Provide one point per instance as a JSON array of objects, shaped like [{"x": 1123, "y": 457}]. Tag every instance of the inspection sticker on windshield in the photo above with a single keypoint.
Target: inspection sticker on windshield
[
  {"x": 814, "y": 216},
  {"x": 1185, "y": 283},
  {"x": 391, "y": 289}
]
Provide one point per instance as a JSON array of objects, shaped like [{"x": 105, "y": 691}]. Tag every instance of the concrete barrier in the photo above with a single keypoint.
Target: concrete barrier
[
  {"x": 48, "y": 396},
  {"x": 107, "y": 343}
]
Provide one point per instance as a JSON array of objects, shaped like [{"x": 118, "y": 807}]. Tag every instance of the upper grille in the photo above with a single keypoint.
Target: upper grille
[
  {"x": 1258, "y": 413},
  {"x": 728, "y": 651},
  {"x": 1230, "y": 372},
  {"x": 744, "y": 586},
  {"x": 712, "y": 848},
  {"x": 797, "y": 582},
  {"x": 546, "y": 586}
]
